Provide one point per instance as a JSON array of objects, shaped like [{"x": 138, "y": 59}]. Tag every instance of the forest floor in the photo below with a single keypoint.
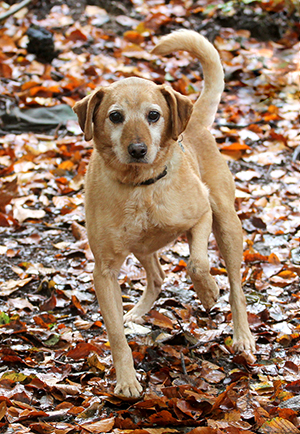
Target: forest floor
[{"x": 56, "y": 373}]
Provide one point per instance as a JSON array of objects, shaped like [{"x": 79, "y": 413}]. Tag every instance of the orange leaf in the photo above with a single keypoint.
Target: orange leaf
[
  {"x": 68, "y": 208},
  {"x": 134, "y": 37},
  {"x": 273, "y": 109},
  {"x": 66, "y": 165},
  {"x": 254, "y": 257},
  {"x": 271, "y": 117},
  {"x": 287, "y": 274},
  {"x": 29, "y": 84},
  {"x": 273, "y": 259},
  {"x": 235, "y": 147}
]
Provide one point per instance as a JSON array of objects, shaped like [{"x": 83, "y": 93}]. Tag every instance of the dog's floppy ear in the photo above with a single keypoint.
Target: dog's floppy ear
[
  {"x": 181, "y": 109},
  {"x": 85, "y": 110}
]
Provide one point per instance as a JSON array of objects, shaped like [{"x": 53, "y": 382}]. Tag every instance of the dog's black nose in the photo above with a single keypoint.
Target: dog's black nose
[{"x": 137, "y": 150}]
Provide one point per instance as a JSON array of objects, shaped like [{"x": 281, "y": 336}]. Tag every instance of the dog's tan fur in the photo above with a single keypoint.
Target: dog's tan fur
[{"x": 196, "y": 195}]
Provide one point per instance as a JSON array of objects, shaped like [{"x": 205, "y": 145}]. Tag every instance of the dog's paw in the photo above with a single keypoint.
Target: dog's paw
[
  {"x": 243, "y": 341},
  {"x": 210, "y": 298},
  {"x": 133, "y": 316},
  {"x": 129, "y": 388},
  {"x": 204, "y": 284}
]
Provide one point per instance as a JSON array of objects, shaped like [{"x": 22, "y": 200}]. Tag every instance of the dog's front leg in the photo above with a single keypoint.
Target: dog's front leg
[
  {"x": 198, "y": 265},
  {"x": 110, "y": 300}
]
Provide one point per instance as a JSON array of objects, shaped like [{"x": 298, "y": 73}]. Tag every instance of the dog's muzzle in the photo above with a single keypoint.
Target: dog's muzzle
[{"x": 137, "y": 151}]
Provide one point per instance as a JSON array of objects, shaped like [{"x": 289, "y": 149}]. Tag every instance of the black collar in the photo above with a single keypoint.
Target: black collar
[
  {"x": 153, "y": 180},
  {"x": 162, "y": 174}
]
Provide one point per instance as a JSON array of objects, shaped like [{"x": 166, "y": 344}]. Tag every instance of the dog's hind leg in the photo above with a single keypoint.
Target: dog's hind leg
[
  {"x": 155, "y": 278},
  {"x": 228, "y": 232}
]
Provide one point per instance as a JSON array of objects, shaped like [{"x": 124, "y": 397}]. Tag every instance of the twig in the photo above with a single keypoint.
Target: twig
[
  {"x": 183, "y": 364},
  {"x": 14, "y": 9},
  {"x": 296, "y": 154}
]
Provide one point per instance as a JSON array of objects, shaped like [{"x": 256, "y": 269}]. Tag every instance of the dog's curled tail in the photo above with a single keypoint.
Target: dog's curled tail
[{"x": 196, "y": 44}]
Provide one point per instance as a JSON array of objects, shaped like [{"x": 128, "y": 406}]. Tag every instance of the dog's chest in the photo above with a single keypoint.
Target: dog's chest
[{"x": 154, "y": 217}]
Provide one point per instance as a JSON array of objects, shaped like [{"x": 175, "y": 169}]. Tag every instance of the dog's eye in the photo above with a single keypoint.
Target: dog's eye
[
  {"x": 116, "y": 117},
  {"x": 153, "y": 116}
]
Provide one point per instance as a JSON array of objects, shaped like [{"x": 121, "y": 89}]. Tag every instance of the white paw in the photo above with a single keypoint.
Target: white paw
[
  {"x": 133, "y": 316},
  {"x": 243, "y": 342},
  {"x": 129, "y": 388},
  {"x": 209, "y": 298}
]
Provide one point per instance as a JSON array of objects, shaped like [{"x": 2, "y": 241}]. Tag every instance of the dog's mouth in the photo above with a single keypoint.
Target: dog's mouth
[{"x": 138, "y": 161}]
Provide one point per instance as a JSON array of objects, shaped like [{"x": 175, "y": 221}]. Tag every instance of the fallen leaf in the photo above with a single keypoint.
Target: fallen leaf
[
  {"x": 11, "y": 285},
  {"x": 278, "y": 426},
  {"x": 104, "y": 425}
]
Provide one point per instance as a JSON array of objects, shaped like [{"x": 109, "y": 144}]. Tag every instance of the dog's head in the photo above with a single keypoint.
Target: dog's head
[{"x": 133, "y": 119}]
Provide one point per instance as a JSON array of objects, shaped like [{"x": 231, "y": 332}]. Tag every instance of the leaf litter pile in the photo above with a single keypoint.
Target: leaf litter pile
[{"x": 56, "y": 373}]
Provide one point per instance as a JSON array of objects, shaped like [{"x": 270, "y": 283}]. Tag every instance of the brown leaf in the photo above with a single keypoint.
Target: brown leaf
[
  {"x": 79, "y": 231},
  {"x": 188, "y": 409},
  {"x": 10, "y": 286},
  {"x": 43, "y": 428},
  {"x": 68, "y": 389},
  {"x": 31, "y": 414},
  {"x": 163, "y": 418},
  {"x": 7, "y": 193},
  {"x": 278, "y": 426},
  {"x": 222, "y": 396},
  {"x": 104, "y": 425},
  {"x": 3, "y": 408},
  {"x": 155, "y": 21},
  {"x": 247, "y": 405},
  {"x": 21, "y": 214},
  {"x": 94, "y": 361},
  {"x": 49, "y": 304},
  {"x": 77, "y": 305},
  {"x": 210, "y": 373},
  {"x": 76, "y": 33},
  {"x": 203, "y": 430},
  {"x": 160, "y": 320},
  {"x": 3, "y": 220},
  {"x": 32, "y": 239},
  {"x": 7, "y": 44},
  {"x": 81, "y": 351}
]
